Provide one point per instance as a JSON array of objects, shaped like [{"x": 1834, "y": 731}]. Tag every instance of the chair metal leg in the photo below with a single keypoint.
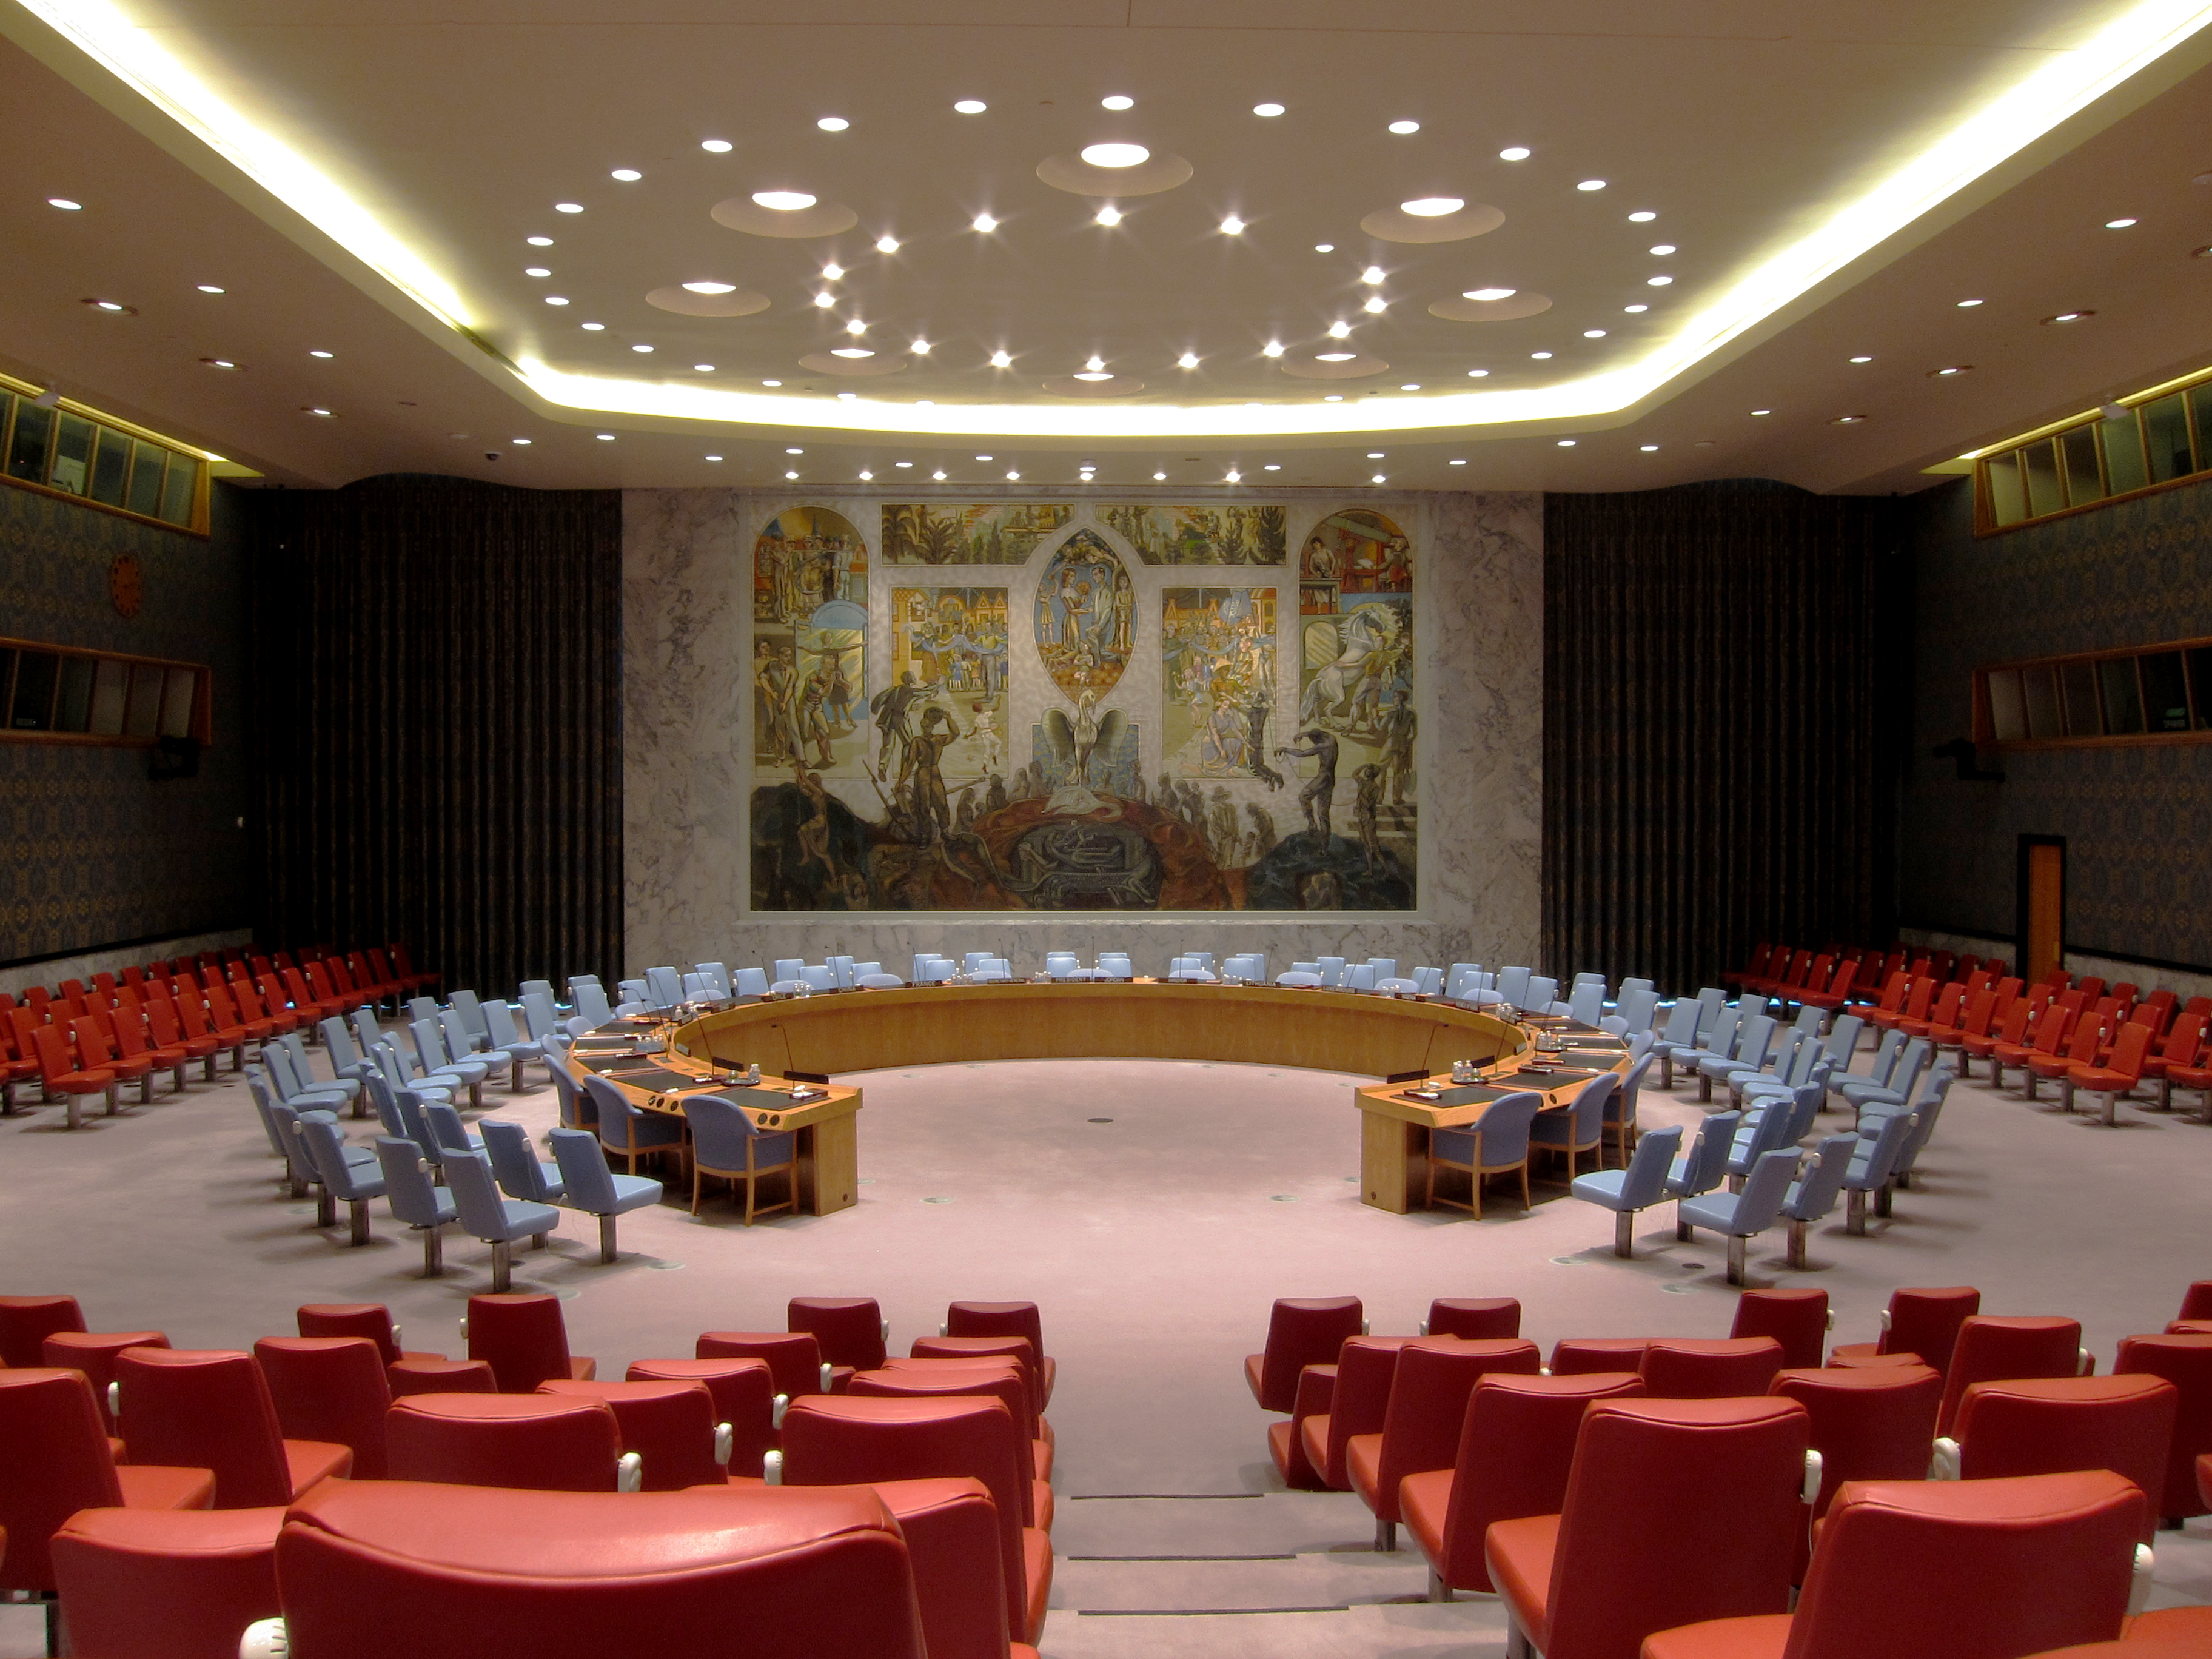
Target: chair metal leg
[
  {"x": 1797, "y": 1245},
  {"x": 146, "y": 1089},
  {"x": 326, "y": 1208},
  {"x": 434, "y": 1251},
  {"x": 1386, "y": 1537},
  {"x": 1666, "y": 1071},
  {"x": 502, "y": 1267},
  {"x": 1738, "y": 1249},
  {"x": 1881, "y": 1199},
  {"x": 1681, "y": 1228},
  {"x": 539, "y": 1241},
  {"x": 1438, "y": 1590},
  {"x": 1854, "y": 1212},
  {"x": 2027, "y": 1084},
  {"x": 1624, "y": 1234},
  {"x": 1704, "y": 1086},
  {"x": 357, "y": 1221},
  {"x": 1516, "y": 1641},
  {"x": 607, "y": 1251}
]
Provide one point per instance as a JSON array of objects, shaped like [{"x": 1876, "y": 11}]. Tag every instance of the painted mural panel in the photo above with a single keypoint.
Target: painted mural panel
[
  {"x": 806, "y": 557},
  {"x": 929, "y": 532},
  {"x": 949, "y": 649},
  {"x": 808, "y": 685},
  {"x": 1355, "y": 552},
  {"x": 1200, "y": 535},
  {"x": 1084, "y": 616},
  {"x": 1218, "y": 662}
]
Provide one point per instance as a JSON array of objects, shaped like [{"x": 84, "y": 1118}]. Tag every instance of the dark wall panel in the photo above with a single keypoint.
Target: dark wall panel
[
  {"x": 1721, "y": 669},
  {"x": 442, "y": 724}
]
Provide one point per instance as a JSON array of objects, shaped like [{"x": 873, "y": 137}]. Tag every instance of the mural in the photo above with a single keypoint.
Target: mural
[
  {"x": 985, "y": 533},
  {"x": 889, "y": 780},
  {"x": 1084, "y": 605},
  {"x": 805, "y": 557},
  {"x": 1200, "y": 535}
]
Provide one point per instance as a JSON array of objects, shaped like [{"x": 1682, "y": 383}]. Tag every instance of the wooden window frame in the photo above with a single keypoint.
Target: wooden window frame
[
  {"x": 203, "y": 715},
  {"x": 196, "y": 525},
  {"x": 1985, "y": 735},
  {"x": 2200, "y": 435}
]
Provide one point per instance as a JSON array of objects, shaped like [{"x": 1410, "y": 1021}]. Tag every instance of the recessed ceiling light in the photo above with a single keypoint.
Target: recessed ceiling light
[
  {"x": 109, "y": 305},
  {"x": 1334, "y": 356},
  {"x": 1414, "y": 387},
  {"x": 1268, "y": 112},
  {"x": 771, "y": 383},
  {"x": 851, "y": 351},
  {"x": 1233, "y": 476},
  {"x": 641, "y": 348},
  {"x": 1948, "y": 370},
  {"x": 1117, "y": 100},
  {"x": 1478, "y": 375},
  {"x": 1096, "y": 365},
  {"x": 208, "y": 288},
  {"x": 1188, "y": 360},
  {"x": 1592, "y": 334},
  {"x": 716, "y": 145},
  {"x": 1116, "y": 155},
  {"x": 604, "y": 437},
  {"x": 1375, "y": 454},
  {"x": 593, "y": 328},
  {"x": 855, "y": 326},
  {"x": 1324, "y": 248},
  {"x": 702, "y": 368},
  {"x": 1762, "y": 411},
  {"x": 540, "y": 271},
  {"x": 2117, "y": 224},
  {"x": 319, "y": 414},
  {"x": 1272, "y": 466},
  {"x": 1591, "y": 183},
  {"x": 1662, "y": 249},
  {"x": 783, "y": 200},
  {"x": 1013, "y": 477},
  {"x": 1455, "y": 463},
  {"x": 986, "y": 457},
  {"x": 524, "y": 442},
  {"x": 64, "y": 204},
  {"x": 1377, "y": 478},
  {"x": 833, "y": 123},
  {"x": 794, "y": 452},
  {"x": 1232, "y": 226},
  {"x": 539, "y": 241},
  {"x": 321, "y": 354},
  {"x": 920, "y": 348},
  {"x": 825, "y": 300},
  {"x": 986, "y": 223},
  {"x": 902, "y": 463},
  {"x": 710, "y": 287},
  {"x": 1643, "y": 218},
  {"x": 1159, "y": 477},
  {"x": 1109, "y": 215},
  {"x": 791, "y": 475},
  {"x": 218, "y": 363},
  {"x": 1847, "y": 420},
  {"x": 2069, "y": 317},
  {"x": 713, "y": 457},
  {"x": 627, "y": 175},
  {"x": 1339, "y": 329},
  {"x": 1540, "y": 355},
  {"x": 1861, "y": 360},
  {"x": 1402, "y": 128},
  {"x": 970, "y": 106},
  {"x": 866, "y": 475},
  {"x": 939, "y": 474},
  {"x": 887, "y": 243},
  {"x": 1432, "y": 206},
  {"x": 1272, "y": 348},
  {"x": 1511, "y": 153},
  {"x": 555, "y": 300},
  {"x": 1372, "y": 275},
  {"x": 1635, "y": 310},
  {"x": 568, "y": 207},
  {"x": 1663, "y": 282},
  {"x": 1487, "y": 295},
  {"x": 1965, "y": 305},
  {"x": 832, "y": 272},
  {"x": 1334, "y": 398},
  {"x": 1375, "y": 306},
  {"x": 1566, "y": 443},
  {"x": 1647, "y": 448}
]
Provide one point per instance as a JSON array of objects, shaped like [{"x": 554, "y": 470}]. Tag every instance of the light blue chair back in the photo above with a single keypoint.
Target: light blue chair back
[
  {"x": 448, "y": 1138},
  {"x": 1061, "y": 964},
  {"x": 1843, "y": 1040},
  {"x": 1681, "y": 1031},
  {"x": 818, "y": 976},
  {"x": 1925, "y": 1111},
  {"x": 696, "y": 989},
  {"x": 579, "y": 1111},
  {"x": 1630, "y": 987},
  {"x": 1361, "y": 977},
  {"x": 1721, "y": 1036},
  {"x": 664, "y": 987},
  {"x": 1884, "y": 1064},
  {"x": 1115, "y": 964},
  {"x": 466, "y": 1004},
  {"x": 484, "y": 1212},
  {"x": 1645, "y": 1182},
  {"x": 414, "y": 1203},
  {"x": 519, "y": 1171},
  {"x": 1815, "y": 1193},
  {"x": 1504, "y": 1129},
  {"x": 1586, "y": 1002},
  {"x": 1705, "y": 1165},
  {"x": 342, "y": 1177},
  {"x": 1760, "y": 1205},
  {"x": 1430, "y": 981},
  {"x": 1881, "y": 1143},
  {"x": 544, "y": 985},
  {"x": 1331, "y": 970},
  {"x": 582, "y": 1160},
  {"x": 1637, "y": 1007},
  {"x": 1909, "y": 1064},
  {"x": 1542, "y": 994},
  {"x": 749, "y": 982},
  {"x": 1811, "y": 1017},
  {"x": 1513, "y": 985},
  {"x": 718, "y": 979}
]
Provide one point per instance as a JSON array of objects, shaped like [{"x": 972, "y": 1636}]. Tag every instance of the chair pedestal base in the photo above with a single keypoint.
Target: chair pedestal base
[
  {"x": 1438, "y": 1590},
  {"x": 607, "y": 1251},
  {"x": 434, "y": 1251},
  {"x": 1386, "y": 1537},
  {"x": 1855, "y": 1213},
  {"x": 1738, "y": 1249},
  {"x": 502, "y": 1266},
  {"x": 357, "y": 1222},
  {"x": 1624, "y": 1234}
]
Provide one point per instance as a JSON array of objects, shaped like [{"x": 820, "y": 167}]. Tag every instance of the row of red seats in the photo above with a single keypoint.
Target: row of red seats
[
  {"x": 1484, "y": 1452},
  {"x": 952, "y": 1436},
  {"x": 380, "y": 973}
]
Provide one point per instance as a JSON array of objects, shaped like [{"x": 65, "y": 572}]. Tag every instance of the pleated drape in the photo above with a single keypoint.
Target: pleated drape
[
  {"x": 439, "y": 672},
  {"x": 1724, "y": 676}
]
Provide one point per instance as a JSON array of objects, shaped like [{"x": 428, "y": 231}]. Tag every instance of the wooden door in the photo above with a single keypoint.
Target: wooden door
[{"x": 2042, "y": 924}]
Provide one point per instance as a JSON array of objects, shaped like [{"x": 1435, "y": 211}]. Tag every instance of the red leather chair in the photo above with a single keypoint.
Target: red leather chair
[
  {"x": 428, "y": 1374},
  {"x": 95, "y": 1353},
  {"x": 1876, "y": 1423},
  {"x": 2055, "y": 1425},
  {"x": 1429, "y": 1391},
  {"x": 1617, "y": 1562},
  {"x": 2197, "y": 1301},
  {"x": 1516, "y": 1444},
  {"x": 670, "y": 1425},
  {"x": 1004, "y": 1319},
  {"x": 1357, "y": 1404},
  {"x": 174, "y": 1584},
  {"x": 1287, "y": 1440},
  {"x": 951, "y": 1529},
  {"x": 745, "y": 1398},
  {"x": 1573, "y": 1355},
  {"x": 530, "y": 1441},
  {"x": 375, "y": 1568},
  {"x": 2164, "y": 1633},
  {"x": 2185, "y": 1362},
  {"x": 1017, "y": 1348},
  {"x": 370, "y": 1319},
  {"x": 55, "y": 1458},
  {"x": 1923, "y": 1324},
  {"x": 1798, "y": 1320},
  {"x": 1933, "y": 1570},
  {"x": 1478, "y": 1319},
  {"x": 1040, "y": 1427},
  {"x": 1301, "y": 1332},
  {"x": 331, "y": 1389},
  {"x": 793, "y": 1358},
  {"x": 830, "y": 1440},
  {"x": 26, "y": 1323},
  {"x": 850, "y": 1328},
  {"x": 521, "y": 1334},
  {"x": 2003, "y": 1349},
  {"x": 209, "y": 1408},
  {"x": 925, "y": 1380},
  {"x": 1684, "y": 1368}
]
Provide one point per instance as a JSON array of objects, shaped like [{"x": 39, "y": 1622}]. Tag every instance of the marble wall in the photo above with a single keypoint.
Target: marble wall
[{"x": 688, "y": 575}]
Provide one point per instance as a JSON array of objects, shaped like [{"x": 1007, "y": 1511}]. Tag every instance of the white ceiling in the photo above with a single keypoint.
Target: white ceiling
[{"x": 1745, "y": 132}]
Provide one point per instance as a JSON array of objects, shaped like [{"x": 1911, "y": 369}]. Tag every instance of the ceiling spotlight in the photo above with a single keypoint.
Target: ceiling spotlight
[
  {"x": 847, "y": 397},
  {"x": 1159, "y": 477},
  {"x": 783, "y": 200},
  {"x": 1116, "y": 155},
  {"x": 939, "y": 474},
  {"x": 604, "y": 437},
  {"x": 791, "y": 475},
  {"x": 702, "y": 368},
  {"x": 321, "y": 354},
  {"x": 1478, "y": 375},
  {"x": 1372, "y": 275},
  {"x": 1540, "y": 356},
  {"x": 1511, "y": 153},
  {"x": 208, "y": 288},
  {"x": 1663, "y": 282},
  {"x": 887, "y": 243},
  {"x": 771, "y": 383},
  {"x": 1403, "y": 128},
  {"x": 1487, "y": 295},
  {"x": 641, "y": 348},
  {"x": 1635, "y": 310},
  {"x": 555, "y": 299},
  {"x": 1968, "y": 305},
  {"x": 1232, "y": 226},
  {"x": 540, "y": 271},
  {"x": 539, "y": 241},
  {"x": 825, "y": 300},
  {"x": 832, "y": 272},
  {"x": 1375, "y": 454},
  {"x": 524, "y": 442},
  {"x": 902, "y": 463},
  {"x": 627, "y": 175},
  {"x": 568, "y": 207},
  {"x": 1762, "y": 411},
  {"x": 1109, "y": 215},
  {"x": 711, "y": 458},
  {"x": 851, "y": 351},
  {"x": 1592, "y": 334},
  {"x": 64, "y": 204},
  {"x": 1339, "y": 329},
  {"x": 1375, "y": 306},
  {"x": 1268, "y": 112},
  {"x": 593, "y": 328},
  {"x": 218, "y": 363},
  {"x": 833, "y": 123},
  {"x": 984, "y": 457},
  {"x": 1013, "y": 477},
  {"x": 1847, "y": 420},
  {"x": 319, "y": 414},
  {"x": 1414, "y": 387},
  {"x": 1566, "y": 443},
  {"x": 866, "y": 475},
  {"x": 1591, "y": 183},
  {"x": 794, "y": 452},
  {"x": 707, "y": 287},
  {"x": 1377, "y": 478},
  {"x": 1096, "y": 365},
  {"x": 109, "y": 305},
  {"x": 970, "y": 106},
  {"x": 1432, "y": 206},
  {"x": 1455, "y": 463},
  {"x": 1647, "y": 448},
  {"x": 2069, "y": 317},
  {"x": 1643, "y": 218},
  {"x": 1662, "y": 249},
  {"x": 1233, "y": 476},
  {"x": 855, "y": 326},
  {"x": 1948, "y": 370},
  {"x": 1334, "y": 356},
  {"x": 2117, "y": 224},
  {"x": 998, "y": 360},
  {"x": 1117, "y": 100},
  {"x": 716, "y": 145},
  {"x": 986, "y": 223},
  {"x": 920, "y": 348},
  {"x": 1324, "y": 248},
  {"x": 1334, "y": 398},
  {"x": 1272, "y": 348}
]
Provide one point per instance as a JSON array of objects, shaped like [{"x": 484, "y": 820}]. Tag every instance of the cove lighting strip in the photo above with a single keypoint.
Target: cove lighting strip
[{"x": 2066, "y": 82}]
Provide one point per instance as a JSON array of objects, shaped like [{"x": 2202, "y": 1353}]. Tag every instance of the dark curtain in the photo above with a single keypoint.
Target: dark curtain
[
  {"x": 439, "y": 668},
  {"x": 1723, "y": 666}
]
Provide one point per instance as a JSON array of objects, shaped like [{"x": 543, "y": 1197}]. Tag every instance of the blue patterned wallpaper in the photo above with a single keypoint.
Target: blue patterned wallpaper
[
  {"x": 2138, "y": 865},
  {"x": 91, "y": 850}
]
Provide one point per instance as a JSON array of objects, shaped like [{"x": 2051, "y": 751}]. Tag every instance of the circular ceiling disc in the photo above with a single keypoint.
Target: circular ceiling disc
[
  {"x": 743, "y": 213},
  {"x": 744, "y": 303},
  {"x": 1395, "y": 225},
  {"x": 1071, "y": 174},
  {"x": 1460, "y": 309},
  {"x": 1353, "y": 369},
  {"x": 823, "y": 364},
  {"x": 1067, "y": 385}
]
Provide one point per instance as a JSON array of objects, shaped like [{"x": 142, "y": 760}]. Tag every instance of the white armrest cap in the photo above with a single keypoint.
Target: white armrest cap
[{"x": 630, "y": 1472}]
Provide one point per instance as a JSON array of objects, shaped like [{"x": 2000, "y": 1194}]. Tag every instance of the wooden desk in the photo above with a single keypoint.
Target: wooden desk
[{"x": 828, "y": 1168}]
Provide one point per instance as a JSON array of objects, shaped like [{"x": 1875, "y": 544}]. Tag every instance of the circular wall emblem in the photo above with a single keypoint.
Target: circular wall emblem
[{"x": 125, "y": 585}]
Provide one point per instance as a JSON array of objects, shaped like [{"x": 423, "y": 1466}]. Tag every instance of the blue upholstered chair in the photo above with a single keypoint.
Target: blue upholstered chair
[
  {"x": 294, "y": 1046},
  {"x": 499, "y": 1020},
  {"x": 431, "y": 1053},
  {"x": 1813, "y": 1195},
  {"x": 578, "y": 1109},
  {"x": 1513, "y": 985},
  {"x": 1331, "y": 970},
  {"x": 1741, "y": 1217},
  {"x": 519, "y": 1171},
  {"x": 749, "y": 983},
  {"x": 1115, "y": 964},
  {"x": 595, "y": 1189},
  {"x": 347, "y": 1175},
  {"x": 1897, "y": 1090},
  {"x": 1679, "y": 1038},
  {"x": 1497, "y": 1145},
  {"x": 820, "y": 976},
  {"x": 1879, "y": 1069},
  {"x": 346, "y": 1057},
  {"x": 1429, "y": 982},
  {"x": 285, "y": 1084},
  {"x": 280, "y": 1123},
  {"x": 460, "y": 1044},
  {"x": 413, "y": 1202},
  {"x": 1586, "y": 1002},
  {"x": 445, "y": 1137},
  {"x": 878, "y": 982},
  {"x": 469, "y": 1007},
  {"x": 1619, "y": 1120},
  {"x": 1639, "y": 1186},
  {"x": 499, "y": 1221},
  {"x": 1299, "y": 979},
  {"x": 717, "y": 978},
  {"x": 1780, "y": 1121},
  {"x": 1360, "y": 977},
  {"x": 628, "y": 1133},
  {"x": 1754, "y": 1043},
  {"x": 725, "y": 1142},
  {"x": 664, "y": 987},
  {"x": 1704, "y": 1166},
  {"x": 1061, "y": 964},
  {"x": 591, "y": 1004},
  {"x": 544, "y": 987},
  {"x": 1872, "y": 1166},
  {"x": 1581, "y": 1127},
  {"x": 1927, "y": 1107}
]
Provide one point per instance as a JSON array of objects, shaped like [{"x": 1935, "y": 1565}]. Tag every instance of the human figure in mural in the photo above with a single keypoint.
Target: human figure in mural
[
  {"x": 840, "y": 701},
  {"x": 925, "y": 751},
  {"x": 1166, "y": 798},
  {"x": 1225, "y": 836},
  {"x": 1125, "y": 605},
  {"x": 986, "y": 731},
  {"x": 773, "y": 676},
  {"x": 1262, "y": 832},
  {"x": 814, "y": 830},
  {"x": 813, "y": 727},
  {"x": 890, "y": 707},
  {"x": 1318, "y": 798},
  {"x": 1366, "y": 801},
  {"x": 1398, "y": 747},
  {"x": 963, "y": 815},
  {"x": 1255, "y": 722},
  {"x": 994, "y": 798}
]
